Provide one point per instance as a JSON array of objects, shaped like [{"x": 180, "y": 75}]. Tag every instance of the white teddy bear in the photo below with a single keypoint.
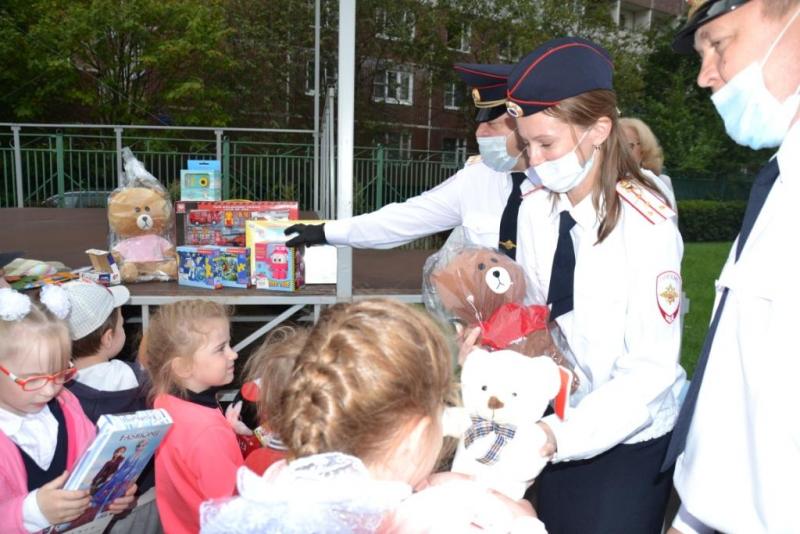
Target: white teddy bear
[{"x": 505, "y": 393}]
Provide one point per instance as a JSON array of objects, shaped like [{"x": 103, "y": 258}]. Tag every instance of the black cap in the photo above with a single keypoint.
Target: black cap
[
  {"x": 488, "y": 84},
  {"x": 700, "y": 12},
  {"x": 558, "y": 69}
]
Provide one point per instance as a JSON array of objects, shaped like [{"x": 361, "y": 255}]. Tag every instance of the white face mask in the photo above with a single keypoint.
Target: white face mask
[
  {"x": 753, "y": 116},
  {"x": 495, "y": 154},
  {"x": 563, "y": 174}
]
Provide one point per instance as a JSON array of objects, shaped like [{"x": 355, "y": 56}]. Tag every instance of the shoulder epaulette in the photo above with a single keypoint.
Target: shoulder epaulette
[
  {"x": 472, "y": 160},
  {"x": 649, "y": 205}
]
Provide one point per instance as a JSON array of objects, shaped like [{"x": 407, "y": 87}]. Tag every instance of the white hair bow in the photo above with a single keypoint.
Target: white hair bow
[{"x": 15, "y": 305}]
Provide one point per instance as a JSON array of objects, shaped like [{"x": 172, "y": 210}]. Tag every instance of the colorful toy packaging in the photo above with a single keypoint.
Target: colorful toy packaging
[
  {"x": 104, "y": 269},
  {"x": 233, "y": 266},
  {"x": 197, "y": 267},
  {"x": 273, "y": 265},
  {"x": 223, "y": 223},
  {"x": 201, "y": 181}
]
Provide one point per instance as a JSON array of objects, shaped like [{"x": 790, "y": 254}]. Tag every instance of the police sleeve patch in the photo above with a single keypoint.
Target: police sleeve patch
[{"x": 668, "y": 295}]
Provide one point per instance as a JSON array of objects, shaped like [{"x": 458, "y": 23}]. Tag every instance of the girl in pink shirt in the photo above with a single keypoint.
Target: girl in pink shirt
[
  {"x": 187, "y": 350},
  {"x": 43, "y": 430}
]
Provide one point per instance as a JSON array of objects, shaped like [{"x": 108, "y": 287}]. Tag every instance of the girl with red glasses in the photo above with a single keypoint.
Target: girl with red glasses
[{"x": 43, "y": 430}]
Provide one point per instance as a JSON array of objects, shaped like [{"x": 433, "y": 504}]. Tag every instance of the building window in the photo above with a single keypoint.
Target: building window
[
  {"x": 508, "y": 51},
  {"x": 398, "y": 145},
  {"x": 631, "y": 18},
  {"x": 458, "y": 36},
  {"x": 310, "y": 77},
  {"x": 393, "y": 86},
  {"x": 395, "y": 26},
  {"x": 453, "y": 150},
  {"x": 453, "y": 95}
]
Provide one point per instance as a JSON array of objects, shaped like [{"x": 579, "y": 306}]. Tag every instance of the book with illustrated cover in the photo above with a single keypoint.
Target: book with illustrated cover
[{"x": 124, "y": 445}]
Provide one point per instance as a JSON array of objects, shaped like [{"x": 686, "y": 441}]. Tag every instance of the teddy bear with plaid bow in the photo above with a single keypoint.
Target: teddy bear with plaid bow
[{"x": 504, "y": 394}]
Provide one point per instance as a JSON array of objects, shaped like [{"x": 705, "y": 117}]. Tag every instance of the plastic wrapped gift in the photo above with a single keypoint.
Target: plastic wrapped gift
[
  {"x": 472, "y": 285},
  {"x": 141, "y": 220}
]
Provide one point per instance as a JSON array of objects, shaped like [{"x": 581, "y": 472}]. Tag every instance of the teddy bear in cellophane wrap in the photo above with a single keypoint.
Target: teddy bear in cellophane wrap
[
  {"x": 472, "y": 285},
  {"x": 141, "y": 221}
]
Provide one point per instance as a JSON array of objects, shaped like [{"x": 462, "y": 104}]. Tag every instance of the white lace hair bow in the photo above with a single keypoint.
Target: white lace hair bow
[
  {"x": 15, "y": 305},
  {"x": 330, "y": 492}
]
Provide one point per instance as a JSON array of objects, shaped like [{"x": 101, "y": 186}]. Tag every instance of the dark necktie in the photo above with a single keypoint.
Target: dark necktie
[
  {"x": 508, "y": 221},
  {"x": 758, "y": 194},
  {"x": 563, "y": 273}
]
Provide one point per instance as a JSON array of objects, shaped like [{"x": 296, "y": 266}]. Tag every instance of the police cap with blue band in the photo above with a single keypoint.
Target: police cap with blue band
[
  {"x": 701, "y": 12},
  {"x": 488, "y": 83},
  {"x": 558, "y": 69}
]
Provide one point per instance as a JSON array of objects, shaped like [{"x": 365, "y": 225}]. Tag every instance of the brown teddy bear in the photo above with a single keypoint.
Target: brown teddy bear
[
  {"x": 478, "y": 286},
  {"x": 141, "y": 218}
]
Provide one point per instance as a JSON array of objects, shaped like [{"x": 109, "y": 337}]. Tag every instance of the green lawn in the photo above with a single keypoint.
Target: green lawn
[{"x": 702, "y": 263}]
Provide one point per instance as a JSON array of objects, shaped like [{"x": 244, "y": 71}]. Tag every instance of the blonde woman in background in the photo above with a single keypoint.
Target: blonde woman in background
[{"x": 646, "y": 150}]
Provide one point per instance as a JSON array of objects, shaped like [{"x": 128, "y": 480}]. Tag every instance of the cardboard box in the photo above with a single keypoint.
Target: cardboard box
[
  {"x": 196, "y": 267},
  {"x": 273, "y": 265},
  {"x": 233, "y": 266},
  {"x": 104, "y": 269},
  {"x": 319, "y": 261},
  {"x": 223, "y": 223}
]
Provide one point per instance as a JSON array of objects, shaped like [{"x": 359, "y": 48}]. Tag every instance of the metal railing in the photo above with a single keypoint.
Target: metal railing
[{"x": 57, "y": 167}]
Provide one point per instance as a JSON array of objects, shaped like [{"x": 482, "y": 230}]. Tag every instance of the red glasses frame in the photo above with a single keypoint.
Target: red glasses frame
[{"x": 29, "y": 384}]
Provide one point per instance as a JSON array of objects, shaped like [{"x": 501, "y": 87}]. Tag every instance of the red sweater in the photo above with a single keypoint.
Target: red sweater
[{"x": 196, "y": 461}]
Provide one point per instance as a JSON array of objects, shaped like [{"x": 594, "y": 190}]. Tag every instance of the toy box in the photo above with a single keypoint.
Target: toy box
[
  {"x": 201, "y": 181},
  {"x": 319, "y": 261},
  {"x": 223, "y": 223},
  {"x": 233, "y": 266},
  {"x": 273, "y": 265},
  {"x": 196, "y": 267},
  {"x": 104, "y": 269}
]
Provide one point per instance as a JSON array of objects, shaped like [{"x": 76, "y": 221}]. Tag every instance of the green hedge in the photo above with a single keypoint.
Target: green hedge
[{"x": 710, "y": 220}]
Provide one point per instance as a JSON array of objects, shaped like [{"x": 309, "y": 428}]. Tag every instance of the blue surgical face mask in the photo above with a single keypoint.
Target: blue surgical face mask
[
  {"x": 563, "y": 174},
  {"x": 753, "y": 116},
  {"x": 495, "y": 154}
]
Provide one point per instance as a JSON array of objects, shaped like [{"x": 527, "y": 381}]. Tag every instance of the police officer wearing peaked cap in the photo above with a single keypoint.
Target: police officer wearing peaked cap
[
  {"x": 602, "y": 244},
  {"x": 736, "y": 446},
  {"x": 483, "y": 197}
]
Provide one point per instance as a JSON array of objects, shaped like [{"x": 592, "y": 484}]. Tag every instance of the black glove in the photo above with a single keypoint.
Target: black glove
[{"x": 307, "y": 234}]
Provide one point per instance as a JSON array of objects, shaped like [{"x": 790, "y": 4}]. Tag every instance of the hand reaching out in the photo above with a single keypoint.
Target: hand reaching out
[{"x": 232, "y": 413}]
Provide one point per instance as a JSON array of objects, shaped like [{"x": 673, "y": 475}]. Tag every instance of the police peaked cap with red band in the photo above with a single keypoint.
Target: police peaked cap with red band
[
  {"x": 558, "y": 69},
  {"x": 488, "y": 83},
  {"x": 701, "y": 12}
]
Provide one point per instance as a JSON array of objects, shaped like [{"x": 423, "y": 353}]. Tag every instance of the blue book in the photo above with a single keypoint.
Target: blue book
[{"x": 122, "y": 448}]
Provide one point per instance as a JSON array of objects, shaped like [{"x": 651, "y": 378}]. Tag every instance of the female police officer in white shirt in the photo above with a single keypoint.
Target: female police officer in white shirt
[{"x": 601, "y": 243}]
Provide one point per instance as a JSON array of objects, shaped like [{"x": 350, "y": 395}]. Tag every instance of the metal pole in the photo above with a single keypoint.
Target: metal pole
[
  {"x": 60, "y": 168},
  {"x": 218, "y": 135},
  {"x": 120, "y": 170},
  {"x": 344, "y": 174},
  {"x": 379, "y": 179},
  {"x": 18, "y": 166},
  {"x": 317, "y": 17}
]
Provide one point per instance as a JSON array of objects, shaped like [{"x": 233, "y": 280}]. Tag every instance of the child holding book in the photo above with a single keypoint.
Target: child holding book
[
  {"x": 270, "y": 366},
  {"x": 186, "y": 348},
  {"x": 361, "y": 417},
  {"x": 43, "y": 430}
]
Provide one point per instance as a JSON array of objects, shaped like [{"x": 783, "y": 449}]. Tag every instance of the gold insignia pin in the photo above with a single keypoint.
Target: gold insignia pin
[
  {"x": 508, "y": 244},
  {"x": 669, "y": 294},
  {"x": 476, "y": 95},
  {"x": 514, "y": 109}
]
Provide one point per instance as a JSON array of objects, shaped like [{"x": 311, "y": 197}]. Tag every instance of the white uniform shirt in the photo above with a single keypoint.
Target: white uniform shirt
[
  {"x": 37, "y": 435},
  {"x": 112, "y": 375},
  {"x": 625, "y": 351},
  {"x": 740, "y": 471},
  {"x": 474, "y": 198}
]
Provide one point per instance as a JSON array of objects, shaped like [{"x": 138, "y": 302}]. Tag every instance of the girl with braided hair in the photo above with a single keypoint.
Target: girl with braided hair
[{"x": 361, "y": 417}]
